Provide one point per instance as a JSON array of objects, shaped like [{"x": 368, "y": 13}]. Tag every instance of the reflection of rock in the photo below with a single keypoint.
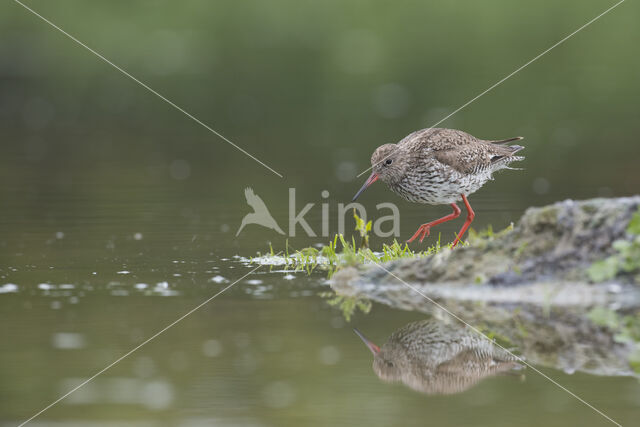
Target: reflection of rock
[
  {"x": 528, "y": 285},
  {"x": 434, "y": 358}
]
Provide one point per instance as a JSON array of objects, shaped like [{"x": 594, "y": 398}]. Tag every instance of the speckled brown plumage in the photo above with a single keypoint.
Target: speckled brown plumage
[
  {"x": 435, "y": 358},
  {"x": 440, "y": 166}
]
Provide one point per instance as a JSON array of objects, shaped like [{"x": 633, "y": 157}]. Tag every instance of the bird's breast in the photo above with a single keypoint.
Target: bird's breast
[{"x": 434, "y": 183}]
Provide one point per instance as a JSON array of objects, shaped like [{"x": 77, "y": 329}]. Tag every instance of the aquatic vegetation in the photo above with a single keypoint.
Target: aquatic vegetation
[
  {"x": 362, "y": 228},
  {"x": 626, "y": 260},
  {"x": 340, "y": 252}
]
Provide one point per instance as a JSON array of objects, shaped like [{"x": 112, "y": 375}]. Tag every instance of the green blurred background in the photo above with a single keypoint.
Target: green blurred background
[{"x": 89, "y": 158}]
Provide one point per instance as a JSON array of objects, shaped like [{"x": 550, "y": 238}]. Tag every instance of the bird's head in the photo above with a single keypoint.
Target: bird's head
[
  {"x": 387, "y": 164},
  {"x": 383, "y": 364},
  {"x": 386, "y": 368}
]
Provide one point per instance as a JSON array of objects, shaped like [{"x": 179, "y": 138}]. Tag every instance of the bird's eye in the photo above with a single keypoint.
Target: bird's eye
[{"x": 388, "y": 161}]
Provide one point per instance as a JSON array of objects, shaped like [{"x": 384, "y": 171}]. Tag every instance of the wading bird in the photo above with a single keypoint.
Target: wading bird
[{"x": 440, "y": 166}]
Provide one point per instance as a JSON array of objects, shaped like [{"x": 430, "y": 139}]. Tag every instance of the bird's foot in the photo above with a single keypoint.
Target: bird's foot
[{"x": 423, "y": 231}]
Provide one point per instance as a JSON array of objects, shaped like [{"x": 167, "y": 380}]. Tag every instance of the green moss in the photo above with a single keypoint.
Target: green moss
[
  {"x": 626, "y": 260},
  {"x": 589, "y": 209},
  {"x": 340, "y": 252},
  {"x": 487, "y": 235},
  {"x": 547, "y": 215},
  {"x": 634, "y": 224},
  {"x": 603, "y": 270},
  {"x": 521, "y": 249}
]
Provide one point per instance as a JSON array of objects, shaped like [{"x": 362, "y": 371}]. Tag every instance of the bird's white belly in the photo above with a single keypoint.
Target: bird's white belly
[{"x": 434, "y": 189}]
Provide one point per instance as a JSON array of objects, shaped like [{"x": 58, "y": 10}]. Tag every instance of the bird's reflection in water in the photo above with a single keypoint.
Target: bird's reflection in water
[{"x": 436, "y": 358}]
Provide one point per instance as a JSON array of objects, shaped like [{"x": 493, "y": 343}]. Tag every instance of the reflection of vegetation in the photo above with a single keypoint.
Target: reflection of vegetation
[
  {"x": 626, "y": 328},
  {"x": 626, "y": 260},
  {"x": 495, "y": 336},
  {"x": 347, "y": 304}
]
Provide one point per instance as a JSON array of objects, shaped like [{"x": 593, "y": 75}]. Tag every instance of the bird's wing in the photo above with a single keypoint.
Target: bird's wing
[
  {"x": 456, "y": 149},
  {"x": 436, "y": 139},
  {"x": 463, "y": 159},
  {"x": 475, "y": 363},
  {"x": 254, "y": 200},
  {"x": 461, "y": 362},
  {"x": 475, "y": 156}
]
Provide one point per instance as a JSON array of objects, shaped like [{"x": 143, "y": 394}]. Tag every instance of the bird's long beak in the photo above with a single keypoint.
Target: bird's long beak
[
  {"x": 373, "y": 178},
  {"x": 374, "y": 348}
]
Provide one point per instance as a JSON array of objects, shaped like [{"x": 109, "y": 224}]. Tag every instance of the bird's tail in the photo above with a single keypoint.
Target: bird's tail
[
  {"x": 515, "y": 148},
  {"x": 504, "y": 141}
]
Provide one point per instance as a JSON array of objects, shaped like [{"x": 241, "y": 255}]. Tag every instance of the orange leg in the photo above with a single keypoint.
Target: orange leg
[
  {"x": 423, "y": 230},
  {"x": 470, "y": 216}
]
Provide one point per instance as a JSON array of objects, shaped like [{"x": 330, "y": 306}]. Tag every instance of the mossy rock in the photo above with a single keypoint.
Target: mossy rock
[{"x": 539, "y": 269}]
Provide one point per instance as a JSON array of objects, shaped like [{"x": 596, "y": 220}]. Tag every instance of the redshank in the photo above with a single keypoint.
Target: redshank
[
  {"x": 440, "y": 166},
  {"x": 435, "y": 358}
]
